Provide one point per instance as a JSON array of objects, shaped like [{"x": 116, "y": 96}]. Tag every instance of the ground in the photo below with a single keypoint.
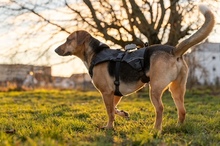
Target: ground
[{"x": 56, "y": 117}]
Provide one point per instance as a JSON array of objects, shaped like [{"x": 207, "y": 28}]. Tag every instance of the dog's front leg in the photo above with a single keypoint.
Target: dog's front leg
[{"x": 109, "y": 104}]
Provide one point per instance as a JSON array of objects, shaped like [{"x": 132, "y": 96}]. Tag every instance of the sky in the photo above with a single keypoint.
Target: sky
[
  {"x": 10, "y": 36},
  {"x": 24, "y": 37}
]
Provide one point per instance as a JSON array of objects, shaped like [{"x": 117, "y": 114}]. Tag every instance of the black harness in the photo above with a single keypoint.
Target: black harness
[
  {"x": 138, "y": 59},
  {"x": 134, "y": 58}
]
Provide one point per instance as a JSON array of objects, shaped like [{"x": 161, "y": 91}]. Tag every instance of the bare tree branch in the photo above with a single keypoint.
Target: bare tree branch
[{"x": 37, "y": 27}]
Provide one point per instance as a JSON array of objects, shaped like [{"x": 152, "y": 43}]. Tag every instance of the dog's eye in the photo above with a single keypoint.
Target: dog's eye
[
  {"x": 70, "y": 39},
  {"x": 67, "y": 40}
]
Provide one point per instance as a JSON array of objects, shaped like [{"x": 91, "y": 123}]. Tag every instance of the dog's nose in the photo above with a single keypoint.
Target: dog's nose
[{"x": 58, "y": 51}]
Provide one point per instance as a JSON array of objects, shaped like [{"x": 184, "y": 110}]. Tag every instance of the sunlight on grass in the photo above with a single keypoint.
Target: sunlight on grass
[{"x": 73, "y": 118}]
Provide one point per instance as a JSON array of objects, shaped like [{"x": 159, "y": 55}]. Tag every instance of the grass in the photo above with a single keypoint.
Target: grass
[{"x": 72, "y": 118}]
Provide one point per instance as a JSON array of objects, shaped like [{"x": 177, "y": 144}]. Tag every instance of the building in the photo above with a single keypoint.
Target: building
[
  {"x": 204, "y": 64},
  {"x": 81, "y": 81},
  {"x": 17, "y": 76},
  {"x": 17, "y": 73}
]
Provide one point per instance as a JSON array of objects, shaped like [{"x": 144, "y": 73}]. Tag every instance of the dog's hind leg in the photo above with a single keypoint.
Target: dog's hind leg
[
  {"x": 121, "y": 113},
  {"x": 157, "y": 86},
  {"x": 177, "y": 89},
  {"x": 178, "y": 92},
  {"x": 155, "y": 95}
]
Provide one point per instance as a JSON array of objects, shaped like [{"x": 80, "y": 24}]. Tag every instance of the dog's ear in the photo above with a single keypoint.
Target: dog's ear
[{"x": 82, "y": 37}]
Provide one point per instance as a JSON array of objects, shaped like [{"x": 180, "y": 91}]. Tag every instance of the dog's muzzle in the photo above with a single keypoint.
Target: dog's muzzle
[{"x": 60, "y": 52}]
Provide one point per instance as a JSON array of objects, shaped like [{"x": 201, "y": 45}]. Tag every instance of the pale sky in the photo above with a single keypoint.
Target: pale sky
[{"x": 8, "y": 36}]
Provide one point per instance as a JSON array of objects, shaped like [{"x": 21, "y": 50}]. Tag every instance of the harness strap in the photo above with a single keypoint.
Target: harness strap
[{"x": 117, "y": 73}]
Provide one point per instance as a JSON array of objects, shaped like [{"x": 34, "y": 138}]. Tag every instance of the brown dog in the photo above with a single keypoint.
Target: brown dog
[{"x": 167, "y": 69}]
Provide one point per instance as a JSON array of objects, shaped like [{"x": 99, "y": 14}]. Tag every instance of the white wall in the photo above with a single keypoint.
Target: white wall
[{"x": 207, "y": 55}]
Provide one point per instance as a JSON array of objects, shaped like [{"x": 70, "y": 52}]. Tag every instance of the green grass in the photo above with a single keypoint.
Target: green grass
[{"x": 73, "y": 118}]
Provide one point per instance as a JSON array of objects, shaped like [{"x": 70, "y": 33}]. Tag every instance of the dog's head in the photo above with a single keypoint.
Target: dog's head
[{"x": 75, "y": 43}]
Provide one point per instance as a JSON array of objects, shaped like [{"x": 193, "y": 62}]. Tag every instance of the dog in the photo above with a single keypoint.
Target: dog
[{"x": 166, "y": 70}]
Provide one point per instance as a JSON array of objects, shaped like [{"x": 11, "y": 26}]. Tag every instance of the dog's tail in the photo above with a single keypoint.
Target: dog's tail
[{"x": 200, "y": 35}]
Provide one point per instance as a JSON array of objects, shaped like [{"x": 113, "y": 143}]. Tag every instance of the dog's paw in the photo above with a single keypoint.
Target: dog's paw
[
  {"x": 102, "y": 128},
  {"x": 125, "y": 114},
  {"x": 156, "y": 133},
  {"x": 10, "y": 131},
  {"x": 122, "y": 113}
]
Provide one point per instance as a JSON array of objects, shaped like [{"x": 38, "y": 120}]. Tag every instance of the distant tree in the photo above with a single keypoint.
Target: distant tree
[{"x": 118, "y": 22}]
